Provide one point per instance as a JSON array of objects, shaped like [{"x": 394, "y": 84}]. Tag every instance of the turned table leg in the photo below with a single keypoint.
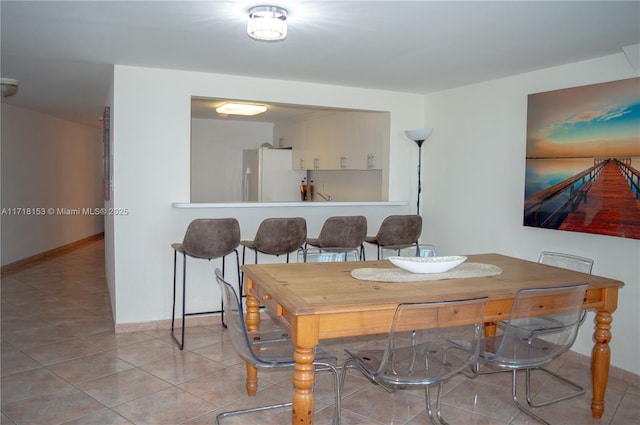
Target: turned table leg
[
  {"x": 252, "y": 320},
  {"x": 305, "y": 332},
  {"x": 303, "y": 404},
  {"x": 600, "y": 358},
  {"x": 490, "y": 329}
]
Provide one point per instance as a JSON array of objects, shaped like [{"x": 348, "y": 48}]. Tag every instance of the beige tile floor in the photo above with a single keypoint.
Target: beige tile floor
[{"x": 62, "y": 363}]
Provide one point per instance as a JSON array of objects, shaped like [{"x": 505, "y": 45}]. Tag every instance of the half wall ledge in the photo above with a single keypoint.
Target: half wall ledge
[{"x": 311, "y": 204}]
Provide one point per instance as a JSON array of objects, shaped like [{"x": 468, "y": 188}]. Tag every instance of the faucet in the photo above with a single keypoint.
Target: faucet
[{"x": 326, "y": 198}]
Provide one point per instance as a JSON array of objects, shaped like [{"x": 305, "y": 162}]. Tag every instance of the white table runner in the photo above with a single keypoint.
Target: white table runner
[{"x": 397, "y": 274}]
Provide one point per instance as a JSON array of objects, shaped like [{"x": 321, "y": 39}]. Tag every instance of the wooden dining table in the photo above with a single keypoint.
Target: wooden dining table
[{"x": 323, "y": 300}]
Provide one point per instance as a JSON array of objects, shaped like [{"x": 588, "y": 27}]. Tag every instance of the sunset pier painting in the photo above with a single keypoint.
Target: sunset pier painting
[{"x": 583, "y": 159}]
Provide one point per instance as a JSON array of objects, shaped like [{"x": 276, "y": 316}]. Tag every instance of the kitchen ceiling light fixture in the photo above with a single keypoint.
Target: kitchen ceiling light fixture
[
  {"x": 240, "y": 109},
  {"x": 9, "y": 86},
  {"x": 419, "y": 136},
  {"x": 267, "y": 23}
]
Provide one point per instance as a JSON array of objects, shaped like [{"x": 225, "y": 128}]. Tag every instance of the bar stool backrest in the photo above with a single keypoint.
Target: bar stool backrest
[
  {"x": 399, "y": 230},
  {"x": 211, "y": 237},
  {"x": 278, "y": 236},
  {"x": 343, "y": 232}
]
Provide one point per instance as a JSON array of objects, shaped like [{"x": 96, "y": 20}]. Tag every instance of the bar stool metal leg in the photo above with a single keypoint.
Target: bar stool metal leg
[
  {"x": 173, "y": 311},
  {"x": 184, "y": 287},
  {"x": 180, "y": 342}
]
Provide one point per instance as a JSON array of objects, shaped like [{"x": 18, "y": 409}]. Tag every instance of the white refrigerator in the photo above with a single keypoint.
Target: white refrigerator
[{"x": 269, "y": 176}]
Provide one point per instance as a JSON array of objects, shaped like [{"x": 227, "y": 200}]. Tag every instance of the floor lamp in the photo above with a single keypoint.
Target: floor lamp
[{"x": 419, "y": 136}]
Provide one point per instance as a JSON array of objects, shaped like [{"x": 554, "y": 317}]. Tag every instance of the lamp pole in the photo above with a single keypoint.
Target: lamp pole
[
  {"x": 419, "y": 136},
  {"x": 419, "y": 142}
]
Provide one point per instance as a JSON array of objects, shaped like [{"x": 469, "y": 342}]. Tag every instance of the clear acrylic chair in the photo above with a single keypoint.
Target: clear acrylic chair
[
  {"x": 569, "y": 262},
  {"x": 566, "y": 261},
  {"x": 419, "y": 351},
  {"x": 397, "y": 231},
  {"x": 531, "y": 338},
  {"x": 266, "y": 349},
  {"x": 327, "y": 255},
  {"x": 415, "y": 250}
]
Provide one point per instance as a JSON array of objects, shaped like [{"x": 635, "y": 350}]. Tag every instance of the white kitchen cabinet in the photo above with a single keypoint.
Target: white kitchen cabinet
[
  {"x": 343, "y": 140},
  {"x": 292, "y": 135},
  {"x": 346, "y": 141},
  {"x": 373, "y": 135},
  {"x": 361, "y": 137},
  {"x": 322, "y": 143}
]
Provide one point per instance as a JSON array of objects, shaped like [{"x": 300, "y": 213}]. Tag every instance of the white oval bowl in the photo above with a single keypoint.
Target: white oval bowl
[{"x": 428, "y": 264}]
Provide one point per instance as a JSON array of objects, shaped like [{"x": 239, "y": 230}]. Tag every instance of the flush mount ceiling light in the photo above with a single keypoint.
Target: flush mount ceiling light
[
  {"x": 268, "y": 23},
  {"x": 240, "y": 109},
  {"x": 9, "y": 86}
]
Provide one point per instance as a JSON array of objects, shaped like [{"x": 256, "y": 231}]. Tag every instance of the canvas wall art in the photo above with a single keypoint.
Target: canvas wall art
[{"x": 583, "y": 159}]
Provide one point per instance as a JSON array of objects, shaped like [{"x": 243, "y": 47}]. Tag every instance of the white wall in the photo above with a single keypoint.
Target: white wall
[
  {"x": 151, "y": 138},
  {"x": 109, "y": 225},
  {"x": 216, "y": 156},
  {"x": 474, "y": 187},
  {"x": 47, "y": 163}
]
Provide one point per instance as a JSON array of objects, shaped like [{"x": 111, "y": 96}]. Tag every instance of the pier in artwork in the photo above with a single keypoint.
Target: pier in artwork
[{"x": 603, "y": 199}]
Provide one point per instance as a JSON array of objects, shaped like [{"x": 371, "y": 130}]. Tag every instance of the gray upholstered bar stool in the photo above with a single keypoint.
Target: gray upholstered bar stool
[
  {"x": 207, "y": 239},
  {"x": 397, "y": 232},
  {"x": 276, "y": 236},
  {"x": 341, "y": 232}
]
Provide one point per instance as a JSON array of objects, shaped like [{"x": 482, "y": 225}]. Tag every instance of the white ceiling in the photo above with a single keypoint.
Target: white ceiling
[{"x": 62, "y": 51}]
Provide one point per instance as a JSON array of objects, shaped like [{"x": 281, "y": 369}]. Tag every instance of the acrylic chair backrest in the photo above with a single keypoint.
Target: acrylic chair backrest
[
  {"x": 566, "y": 261},
  {"x": 211, "y": 237},
  {"x": 557, "y": 312},
  {"x": 328, "y": 255},
  {"x": 415, "y": 250},
  {"x": 247, "y": 344},
  {"x": 431, "y": 325},
  {"x": 235, "y": 319}
]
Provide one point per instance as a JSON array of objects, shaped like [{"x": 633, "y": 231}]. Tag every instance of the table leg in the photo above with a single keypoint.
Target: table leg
[
  {"x": 252, "y": 380},
  {"x": 600, "y": 358},
  {"x": 252, "y": 320},
  {"x": 303, "y": 404},
  {"x": 490, "y": 329}
]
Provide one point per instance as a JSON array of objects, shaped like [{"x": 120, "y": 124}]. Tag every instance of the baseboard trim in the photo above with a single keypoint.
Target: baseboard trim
[
  {"x": 29, "y": 261},
  {"x": 161, "y": 325},
  {"x": 614, "y": 372}
]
